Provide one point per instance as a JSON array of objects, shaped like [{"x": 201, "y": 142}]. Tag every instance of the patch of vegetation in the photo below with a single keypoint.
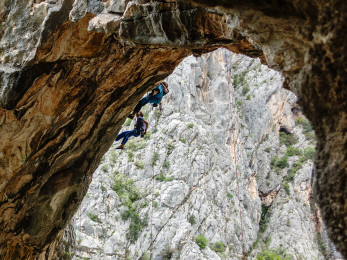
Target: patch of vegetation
[
  {"x": 130, "y": 156},
  {"x": 161, "y": 177},
  {"x": 201, "y": 241},
  {"x": 155, "y": 158},
  {"x": 218, "y": 247},
  {"x": 132, "y": 146},
  {"x": 129, "y": 194},
  {"x": 239, "y": 79},
  {"x": 192, "y": 219},
  {"x": 245, "y": 89},
  {"x": 147, "y": 136},
  {"x": 280, "y": 163},
  {"x": 305, "y": 124},
  {"x": 94, "y": 217},
  {"x": 140, "y": 165},
  {"x": 170, "y": 148},
  {"x": 267, "y": 254},
  {"x": 155, "y": 204},
  {"x": 182, "y": 140},
  {"x": 268, "y": 149},
  {"x": 310, "y": 136},
  {"x": 309, "y": 153},
  {"x": 103, "y": 188},
  {"x": 167, "y": 253},
  {"x": 286, "y": 187},
  {"x": 292, "y": 151},
  {"x": 322, "y": 246},
  {"x": 166, "y": 164},
  {"x": 127, "y": 122},
  {"x": 191, "y": 125},
  {"x": 230, "y": 195},
  {"x": 288, "y": 139},
  {"x": 105, "y": 168},
  {"x": 157, "y": 115},
  {"x": 264, "y": 220},
  {"x": 248, "y": 97}
]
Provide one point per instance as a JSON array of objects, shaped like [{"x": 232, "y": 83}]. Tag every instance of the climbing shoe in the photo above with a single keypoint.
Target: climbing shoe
[{"x": 120, "y": 147}]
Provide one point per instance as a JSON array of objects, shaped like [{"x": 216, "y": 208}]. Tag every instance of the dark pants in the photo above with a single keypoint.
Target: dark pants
[
  {"x": 125, "y": 135},
  {"x": 147, "y": 99}
]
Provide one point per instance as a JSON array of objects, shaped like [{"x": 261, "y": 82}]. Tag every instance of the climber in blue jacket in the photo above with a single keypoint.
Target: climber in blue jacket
[
  {"x": 154, "y": 97},
  {"x": 141, "y": 127}
]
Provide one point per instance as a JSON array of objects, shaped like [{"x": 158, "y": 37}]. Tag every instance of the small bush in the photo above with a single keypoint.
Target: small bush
[
  {"x": 155, "y": 158},
  {"x": 103, "y": 188},
  {"x": 288, "y": 139},
  {"x": 160, "y": 177},
  {"x": 305, "y": 125},
  {"x": 218, "y": 247},
  {"x": 268, "y": 149},
  {"x": 286, "y": 187},
  {"x": 191, "y": 219},
  {"x": 140, "y": 165},
  {"x": 94, "y": 217},
  {"x": 105, "y": 168},
  {"x": 170, "y": 148},
  {"x": 182, "y": 140},
  {"x": 268, "y": 254},
  {"x": 292, "y": 151},
  {"x": 230, "y": 195},
  {"x": 166, "y": 165},
  {"x": 191, "y": 125},
  {"x": 245, "y": 89},
  {"x": 201, "y": 241},
  {"x": 130, "y": 156},
  {"x": 248, "y": 97},
  {"x": 279, "y": 163},
  {"x": 155, "y": 204},
  {"x": 167, "y": 253},
  {"x": 147, "y": 136}
]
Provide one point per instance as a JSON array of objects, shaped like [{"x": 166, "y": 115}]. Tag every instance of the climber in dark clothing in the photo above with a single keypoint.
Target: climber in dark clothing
[
  {"x": 154, "y": 97},
  {"x": 141, "y": 127}
]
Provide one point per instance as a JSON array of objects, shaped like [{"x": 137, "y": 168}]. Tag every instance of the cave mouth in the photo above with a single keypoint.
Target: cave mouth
[
  {"x": 146, "y": 175},
  {"x": 61, "y": 122}
]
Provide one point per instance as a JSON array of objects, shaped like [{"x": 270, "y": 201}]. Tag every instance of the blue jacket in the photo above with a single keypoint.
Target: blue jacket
[{"x": 154, "y": 99}]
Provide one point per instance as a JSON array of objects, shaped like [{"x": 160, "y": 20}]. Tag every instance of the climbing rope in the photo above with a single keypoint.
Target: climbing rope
[{"x": 234, "y": 150}]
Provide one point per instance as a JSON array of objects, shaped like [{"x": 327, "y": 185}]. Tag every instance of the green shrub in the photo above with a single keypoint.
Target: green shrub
[
  {"x": 140, "y": 165},
  {"x": 286, "y": 187},
  {"x": 170, "y": 148},
  {"x": 292, "y": 151},
  {"x": 166, "y": 164},
  {"x": 147, "y": 136},
  {"x": 309, "y": 153},
  {"x": 248, "y": 97},
  {"x": 155, "y": 204},
  {"x": 103, "y": 188},
  {"x": 167, "y": 253},
  {"x": 160, "y": 177},
  {"x": 201, "y": 241},
  {"x": 218, "y": 247},
  {"x": 267, "y": 254},
  {"x": 182, "y": 140},
  {"x": 155, "y": 158},
  {"x": 130, "y": 156},
  {"x": 191, "y": 125},
  {"x": 191, "y": 219},
  {"x": 105, "y": 168},
  {"x": 288, "y": 139},
  {"x": 310, "y": 136},
  {"x": 94, "y": 217},
  {"x": 245, "y": 89},
  {"x": 305, "y": 124},
  {"x": 277, "y": 162}
]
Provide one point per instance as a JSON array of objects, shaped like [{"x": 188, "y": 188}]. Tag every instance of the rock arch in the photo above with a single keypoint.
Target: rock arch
[{"x": 65, "y": 92}]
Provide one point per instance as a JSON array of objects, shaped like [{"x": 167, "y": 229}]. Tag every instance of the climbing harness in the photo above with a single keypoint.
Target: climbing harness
[{"x": 235, "y": 157}]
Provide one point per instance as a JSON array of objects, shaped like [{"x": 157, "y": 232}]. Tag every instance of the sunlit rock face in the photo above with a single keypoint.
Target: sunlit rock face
[
  {"x": 71, "y": 71},
  {"x": 215, "y": 150}
]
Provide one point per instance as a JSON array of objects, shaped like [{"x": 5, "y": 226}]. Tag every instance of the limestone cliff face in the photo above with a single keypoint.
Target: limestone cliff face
[
  {"x": 202, "y": 164},
  {"x": 70, "y": 72}
]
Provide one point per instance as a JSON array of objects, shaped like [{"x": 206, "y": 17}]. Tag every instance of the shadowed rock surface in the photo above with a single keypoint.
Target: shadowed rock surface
[{"x": 72, "y": 71}]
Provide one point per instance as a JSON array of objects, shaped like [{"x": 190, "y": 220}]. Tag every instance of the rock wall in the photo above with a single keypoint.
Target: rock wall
[
  {"x": 153, "y": 199},
  {"x": 71, "y": 71}
]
